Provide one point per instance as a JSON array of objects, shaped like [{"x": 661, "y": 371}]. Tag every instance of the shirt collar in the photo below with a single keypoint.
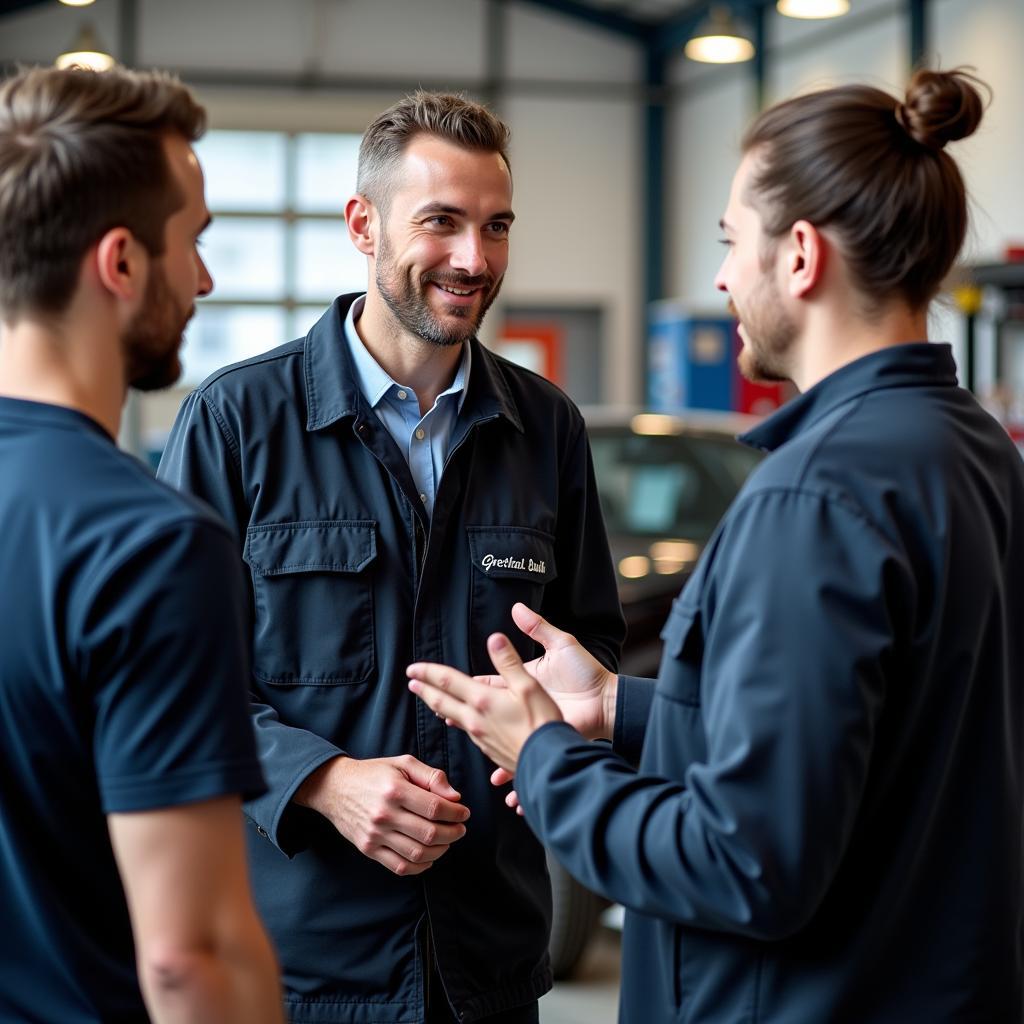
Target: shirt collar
[
  {"x": 334, "y": 386},
  {"x": 915, "y": 364}
]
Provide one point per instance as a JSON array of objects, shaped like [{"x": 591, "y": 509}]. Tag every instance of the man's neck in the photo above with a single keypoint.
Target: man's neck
[
  {"x": 427, "y": 368},
  {"x": 835, "y": 337},
  {"x": 40, "y": 362}
]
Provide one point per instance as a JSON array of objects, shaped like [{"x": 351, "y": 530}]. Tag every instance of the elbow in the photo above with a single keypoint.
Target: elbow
[{"x": 167, "y": 970}]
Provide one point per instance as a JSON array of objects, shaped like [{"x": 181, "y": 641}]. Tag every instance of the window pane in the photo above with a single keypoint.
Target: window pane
[
  {"x": 246, "y": 258},
  {"x": 326, "y": 171},
  {"x": 244, "y": 170},
  {"x": 303, "y": 317},
  {"x": 328, "y": 263},
  {"x": 218, "y": 335}
]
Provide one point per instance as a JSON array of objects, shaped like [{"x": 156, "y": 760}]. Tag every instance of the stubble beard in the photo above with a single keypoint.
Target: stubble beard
[
  {"x": 408, "y": 303},
  {"x": 770, "y": 335},
  {"x": 152, "y": 341}
]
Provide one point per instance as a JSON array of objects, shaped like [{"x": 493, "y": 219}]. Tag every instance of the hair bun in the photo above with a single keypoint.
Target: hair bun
[{"x": 941, "y": 106}]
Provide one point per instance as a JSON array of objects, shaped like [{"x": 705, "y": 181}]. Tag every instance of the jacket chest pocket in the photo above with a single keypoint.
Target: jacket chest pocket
[
  {"x": 313, "y": 589},
  {"x": 510, "y": 564},
  {"x": 679, "y": 676}
]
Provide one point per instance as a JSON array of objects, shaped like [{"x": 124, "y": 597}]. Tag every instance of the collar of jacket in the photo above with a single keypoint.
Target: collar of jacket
[
  {"x": 332, "y": 389},
  {"x": 915, "y": 364}
]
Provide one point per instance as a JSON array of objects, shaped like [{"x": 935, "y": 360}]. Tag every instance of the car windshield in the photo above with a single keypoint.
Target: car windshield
[{"x": 667, "y": 485}]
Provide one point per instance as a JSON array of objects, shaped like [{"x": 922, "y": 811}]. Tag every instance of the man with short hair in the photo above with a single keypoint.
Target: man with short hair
[
  {"x": 396, "y": 488},
  {"x": 124, "y": 741},
  {"x": 826, "y": 820}
]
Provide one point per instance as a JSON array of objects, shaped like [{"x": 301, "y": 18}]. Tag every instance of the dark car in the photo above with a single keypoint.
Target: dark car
[{"x": 664, "y": 482}]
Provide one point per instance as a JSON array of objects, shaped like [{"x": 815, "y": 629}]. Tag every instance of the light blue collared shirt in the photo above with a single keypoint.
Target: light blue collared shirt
[{"x": 423, "y": 440}]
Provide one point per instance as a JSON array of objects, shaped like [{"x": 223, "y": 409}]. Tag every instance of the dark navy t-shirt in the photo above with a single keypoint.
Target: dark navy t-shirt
[{"x": 123, "y": 678}]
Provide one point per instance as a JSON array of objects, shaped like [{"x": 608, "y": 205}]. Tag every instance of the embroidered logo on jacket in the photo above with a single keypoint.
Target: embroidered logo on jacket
[{"x": 489, "y": 562}]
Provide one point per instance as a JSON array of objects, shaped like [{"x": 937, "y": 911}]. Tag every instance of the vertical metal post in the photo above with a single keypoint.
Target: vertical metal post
[
  {"x": 494, "y": 52},
  {"x": 128, "y": 32},
  {"x": 917, "y": 17},
  {"x": 759, "y": 14},
  {"x": 655, "y": 117}
]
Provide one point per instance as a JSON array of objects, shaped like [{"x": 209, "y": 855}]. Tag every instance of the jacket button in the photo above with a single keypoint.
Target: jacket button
[{"x": 262, "y": 831}]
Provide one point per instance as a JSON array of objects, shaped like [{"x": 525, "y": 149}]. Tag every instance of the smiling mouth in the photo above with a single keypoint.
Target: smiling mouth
[{"x": 455, "y": 291}]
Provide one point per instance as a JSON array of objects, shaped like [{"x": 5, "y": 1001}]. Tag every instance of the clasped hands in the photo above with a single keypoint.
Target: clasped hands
[
  {"x": 500, "y": 712},
  {"x": 405, "y": 814}
]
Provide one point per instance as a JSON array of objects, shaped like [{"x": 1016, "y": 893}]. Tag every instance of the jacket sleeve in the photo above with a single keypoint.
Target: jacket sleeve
[
  {"x": 792, "y": 639},
  {"x": 202, "y": 458},
  {"x": 584, "y": 599}
]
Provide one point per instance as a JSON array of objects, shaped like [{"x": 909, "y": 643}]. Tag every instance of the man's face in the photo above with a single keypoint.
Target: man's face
[
  {"x": 442, "y": 247},
  {"x": 748, "y": 276},
  {"x": 152, "y": 341}
]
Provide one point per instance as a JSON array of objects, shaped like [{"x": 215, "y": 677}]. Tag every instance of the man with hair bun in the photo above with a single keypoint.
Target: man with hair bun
[
  {"x": 125, "y": 743},
  {"x": 815, "y": 812},
  {"x": 396, "y": 488}
]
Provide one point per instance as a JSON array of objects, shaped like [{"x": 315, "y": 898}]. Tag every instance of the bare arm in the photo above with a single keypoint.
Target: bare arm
[{"x": 203, "y": 956}]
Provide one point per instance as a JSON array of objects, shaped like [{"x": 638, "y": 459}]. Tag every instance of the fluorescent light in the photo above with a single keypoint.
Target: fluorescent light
[
  {"x": 77, "y": 3},
  {"x": 86, "y": 51},
  {"x": 719, "y": 40},
  {"x": 813, "y": 8}
]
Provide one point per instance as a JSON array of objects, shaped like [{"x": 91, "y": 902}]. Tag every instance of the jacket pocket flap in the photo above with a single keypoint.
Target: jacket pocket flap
[
  {"x": 682, "y": 631},
  {"x": 316, "y": 546},
  {"x": 512, "y": 552}
]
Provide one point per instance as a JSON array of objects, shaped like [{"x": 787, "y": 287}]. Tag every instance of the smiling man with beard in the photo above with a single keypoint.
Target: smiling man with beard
[{"x": 396, "y": 488}]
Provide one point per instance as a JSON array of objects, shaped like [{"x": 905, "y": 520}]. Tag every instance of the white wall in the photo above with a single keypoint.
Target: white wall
[
  {"x": 577, "y": 239},
  {"x": 713, "y": 105},
  {"x": 577, "y": 151}
]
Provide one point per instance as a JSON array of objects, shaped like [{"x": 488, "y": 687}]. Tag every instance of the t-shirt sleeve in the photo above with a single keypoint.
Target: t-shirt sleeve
[{"x": 166, "y": 670}]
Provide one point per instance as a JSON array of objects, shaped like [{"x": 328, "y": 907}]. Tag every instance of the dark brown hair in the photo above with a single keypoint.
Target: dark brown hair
[
  {"x": 446, "y": 116},
  {"x": 81, "y": 152},
  {"x": 871, "y": 168}
]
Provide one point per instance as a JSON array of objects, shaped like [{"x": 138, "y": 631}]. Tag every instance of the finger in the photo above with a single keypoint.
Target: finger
[
  {"x": 501, "y": 776},
  {"x": 454, "y": 711},
  {"x": 397, "y": 864},
  {"x": 538, "y": 628},
  {"x": 409, "y": 831},
  {"x": 512, "y": 800},
  {"x": 450, "y": 680},
  {"x": 491, "y": 681},
  {"x": 507, "y": 661},
  {"x": 431, "y": 808},
  {"x": 432, "y": 779}
]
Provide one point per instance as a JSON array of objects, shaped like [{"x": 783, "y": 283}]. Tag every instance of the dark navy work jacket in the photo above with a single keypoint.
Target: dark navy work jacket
[
  {"x": 826, "y": 823},
  {"x": 350, "y": 583}
]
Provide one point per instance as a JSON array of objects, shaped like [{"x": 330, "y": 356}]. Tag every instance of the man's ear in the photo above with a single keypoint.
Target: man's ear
[
  {"x": 361, "y": 218},
  {"x": 805, "y": 256},
  {"x": 122, "y": 264}
]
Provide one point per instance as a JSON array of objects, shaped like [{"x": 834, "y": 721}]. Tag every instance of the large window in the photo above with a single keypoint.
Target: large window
[{"x": 278, "y": 249}]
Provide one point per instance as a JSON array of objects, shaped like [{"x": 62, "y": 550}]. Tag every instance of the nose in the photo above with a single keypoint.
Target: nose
[
  {"x": 204, "y": 284},
  {"x": 720, "y": 278},
  {"x": 468, "y": 255}
]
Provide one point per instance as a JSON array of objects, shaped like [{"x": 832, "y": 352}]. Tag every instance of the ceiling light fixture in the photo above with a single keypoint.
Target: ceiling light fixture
[
  {"x": 77, "y": 3},
  {"x": 815, "y": 9},
  {"x": 86, "y": 51},
  {"x": 719, "y": 40}
]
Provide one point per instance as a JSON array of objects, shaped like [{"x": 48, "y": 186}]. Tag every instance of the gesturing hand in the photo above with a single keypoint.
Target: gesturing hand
[
  {"x": 581, "y": 686},
  {"x": 395, "y": 810},
  {"x": 498, "y": 719}
]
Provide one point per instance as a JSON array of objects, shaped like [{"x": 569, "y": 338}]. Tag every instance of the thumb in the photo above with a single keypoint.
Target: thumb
[
  {"x": 506, "y": 660},
  {"x": 536, "y": 627}
]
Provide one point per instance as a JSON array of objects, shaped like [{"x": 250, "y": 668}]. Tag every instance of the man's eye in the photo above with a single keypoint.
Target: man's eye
[
  {"x": 441, "y": 220},
  {"x": 500, "y": 228}
]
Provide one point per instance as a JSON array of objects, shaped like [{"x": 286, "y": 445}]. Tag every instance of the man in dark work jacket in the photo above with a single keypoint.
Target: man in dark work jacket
[
  {"x": 825, "y": 824},
  {"x": 396, "y": 488}
]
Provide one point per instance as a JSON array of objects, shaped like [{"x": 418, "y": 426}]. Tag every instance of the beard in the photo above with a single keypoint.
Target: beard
[
  {"x": 770, "y": 334},
  {"x": 152, "y": 341},
  {"x": 408, "y": 302}
]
